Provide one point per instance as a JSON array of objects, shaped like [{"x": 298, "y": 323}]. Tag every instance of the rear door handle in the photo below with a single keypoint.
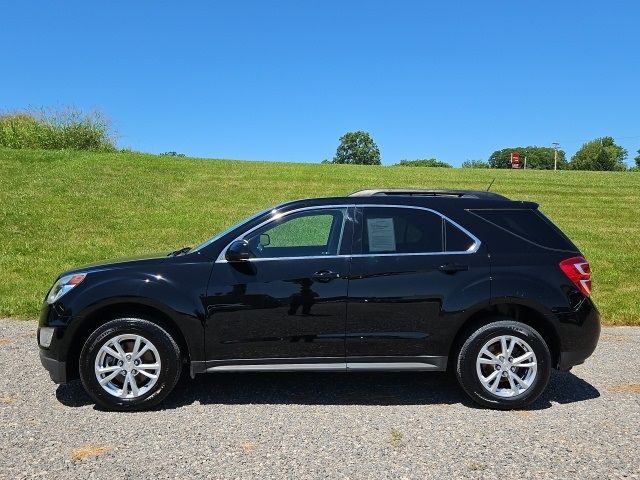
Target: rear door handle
[
  {"x": 453, "y": 268},
  {"x": 325, "y": 276}
]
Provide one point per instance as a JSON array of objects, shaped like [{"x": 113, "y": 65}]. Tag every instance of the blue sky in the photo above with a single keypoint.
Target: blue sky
[{"x": 282, "y": 80}]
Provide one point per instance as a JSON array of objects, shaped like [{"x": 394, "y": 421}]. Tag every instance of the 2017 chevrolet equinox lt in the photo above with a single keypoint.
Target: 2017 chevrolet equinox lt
[{"x": 384, "y": 280}]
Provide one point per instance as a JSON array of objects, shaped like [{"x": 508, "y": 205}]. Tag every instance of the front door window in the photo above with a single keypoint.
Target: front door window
[{"x": 305, "y": 234}]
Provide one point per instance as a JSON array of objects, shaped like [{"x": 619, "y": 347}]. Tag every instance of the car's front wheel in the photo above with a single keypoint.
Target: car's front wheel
[
  {"x": 504, "y": 365},
  {"x": 129, "y": 364}
]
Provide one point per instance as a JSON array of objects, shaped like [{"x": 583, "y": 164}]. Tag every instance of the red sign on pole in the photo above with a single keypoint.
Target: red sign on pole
[{"x": 515, "y": 160}]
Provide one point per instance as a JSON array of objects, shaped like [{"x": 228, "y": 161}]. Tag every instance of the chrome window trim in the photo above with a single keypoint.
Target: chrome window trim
[
  {"x": 473, "y": 249},
  {"x": 412, "y": 254},
  {"x": 270, "y": 259}
]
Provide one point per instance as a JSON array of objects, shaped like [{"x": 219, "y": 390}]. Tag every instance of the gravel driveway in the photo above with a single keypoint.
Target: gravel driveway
[{"x": 587, "y": 424}]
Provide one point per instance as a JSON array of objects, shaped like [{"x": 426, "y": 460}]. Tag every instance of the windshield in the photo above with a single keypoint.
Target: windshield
[{"x": 231, "y": 228}]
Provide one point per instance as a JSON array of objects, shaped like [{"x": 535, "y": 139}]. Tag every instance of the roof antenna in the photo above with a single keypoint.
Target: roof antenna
[{"x": 494, "y": 179}]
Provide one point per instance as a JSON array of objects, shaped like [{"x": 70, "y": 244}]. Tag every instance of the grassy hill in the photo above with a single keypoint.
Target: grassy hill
[{"x": 62, "y": 209}]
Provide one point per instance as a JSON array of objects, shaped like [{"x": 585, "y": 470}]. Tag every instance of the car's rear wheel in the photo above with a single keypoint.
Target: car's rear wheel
[
  {"x": 129, "y": 364},
  {"x": 504, "y": 365}
]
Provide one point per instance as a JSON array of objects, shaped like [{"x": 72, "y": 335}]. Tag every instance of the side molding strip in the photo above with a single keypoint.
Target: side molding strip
[
  {"x": 281, "y": 367},
  {"x": 397, "y": 364},
  {"x": 354, "y": 364},
  {"x": 391, "y": 367}
]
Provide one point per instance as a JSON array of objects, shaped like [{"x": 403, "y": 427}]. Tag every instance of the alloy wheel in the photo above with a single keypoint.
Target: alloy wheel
[
  {"x": 127, "y": 366},
  {"x": 506, "y": 366}
]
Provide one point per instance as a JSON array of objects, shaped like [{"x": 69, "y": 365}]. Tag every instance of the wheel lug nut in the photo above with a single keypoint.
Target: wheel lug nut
[
  {"x": 504, "y": 374},
  {"x": 136, "y": 363},
  {"x": 123, "y": 372},
  {"x": 128, "y": 357},
  {"x": 501, "y": 358},
  {"x": 134, "y": 372},
  {"x": 120, "y": 363},
  {"x": 497, "y": 367},
  {"x": 511, "y": 359},
  {"x": 513, "y": 369}
]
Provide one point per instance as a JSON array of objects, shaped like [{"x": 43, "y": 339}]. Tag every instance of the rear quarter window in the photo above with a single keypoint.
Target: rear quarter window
[{"x": 530, "y": 225}]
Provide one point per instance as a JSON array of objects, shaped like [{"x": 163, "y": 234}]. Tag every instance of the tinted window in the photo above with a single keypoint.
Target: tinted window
[
  {"x": 528, "y": 224},
  {"x": 456, "y": 240},
  {"x": 310, "y": 233},
  {"x": 401, "y": 230}
]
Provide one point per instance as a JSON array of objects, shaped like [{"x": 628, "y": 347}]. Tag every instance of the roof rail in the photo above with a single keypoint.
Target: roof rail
[{"x": 428, "y": 193}]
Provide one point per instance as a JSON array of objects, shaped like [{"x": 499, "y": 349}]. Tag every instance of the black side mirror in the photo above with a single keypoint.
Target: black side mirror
[{"x": 238, "y": 251}]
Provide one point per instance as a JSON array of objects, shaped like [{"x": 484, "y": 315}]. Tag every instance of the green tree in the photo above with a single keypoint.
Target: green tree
[
  {"x": 357, "y": 148},
  {"x": 637, "y": 159},
  {"x": 539, "y": 158},
  {"x": 423, "y": 162},
  {"x": 599, "y": 154},
  {"x": 475, "y": 164}
]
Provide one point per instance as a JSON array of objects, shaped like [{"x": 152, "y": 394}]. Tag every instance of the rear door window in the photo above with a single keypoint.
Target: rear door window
[
  {"x": 401, "y": 230},
  {"x": 456, "y": 240}
]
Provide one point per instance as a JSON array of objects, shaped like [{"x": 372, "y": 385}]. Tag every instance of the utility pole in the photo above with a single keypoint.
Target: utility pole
[{"x": 555, "y": 155}]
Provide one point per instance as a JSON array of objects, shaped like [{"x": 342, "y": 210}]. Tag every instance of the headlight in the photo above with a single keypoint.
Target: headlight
[{"x": 63, "y": 285}]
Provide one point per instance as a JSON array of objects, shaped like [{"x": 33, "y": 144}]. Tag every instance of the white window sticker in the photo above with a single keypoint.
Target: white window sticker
[{"x": 382, "y": 237}]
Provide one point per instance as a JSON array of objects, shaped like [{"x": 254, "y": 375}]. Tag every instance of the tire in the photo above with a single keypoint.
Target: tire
[
  {"x": 531, "y": 364},
  {"x": 119, "y": 393}
]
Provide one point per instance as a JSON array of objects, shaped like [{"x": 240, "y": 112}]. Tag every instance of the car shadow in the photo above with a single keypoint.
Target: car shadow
[{"x": 335, "y": 389}]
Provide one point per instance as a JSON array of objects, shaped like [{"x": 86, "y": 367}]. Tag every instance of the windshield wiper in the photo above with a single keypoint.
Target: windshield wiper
[{"x": 180, "y": 251}]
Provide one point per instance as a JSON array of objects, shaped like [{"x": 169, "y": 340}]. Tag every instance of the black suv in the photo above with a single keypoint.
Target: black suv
[{"x": 384, "y": 280}]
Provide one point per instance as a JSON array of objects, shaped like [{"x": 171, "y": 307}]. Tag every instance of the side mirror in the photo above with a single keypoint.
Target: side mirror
[{"x": 238, "y": 251}]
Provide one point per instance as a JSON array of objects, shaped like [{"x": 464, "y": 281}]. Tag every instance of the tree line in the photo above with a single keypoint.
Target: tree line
[{"x": 600, "y": 154}]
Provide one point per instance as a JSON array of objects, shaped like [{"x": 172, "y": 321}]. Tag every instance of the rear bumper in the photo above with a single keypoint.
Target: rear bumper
[
  {"x": 579, "y": 334},
  {"x": 57, "y": 369}
]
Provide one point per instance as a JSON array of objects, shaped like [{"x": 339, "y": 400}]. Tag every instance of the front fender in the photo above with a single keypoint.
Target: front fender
[{"x": 176, "y": 291}]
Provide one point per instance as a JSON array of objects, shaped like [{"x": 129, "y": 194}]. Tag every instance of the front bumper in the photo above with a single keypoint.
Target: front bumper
[
  {"x": 57, "y": 369},
  {"x": 58, "y": 357},
  {"x": 571, "y": 359}
]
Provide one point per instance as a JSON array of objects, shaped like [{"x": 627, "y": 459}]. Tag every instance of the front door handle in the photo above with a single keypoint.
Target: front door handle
[
  {"x": 325, "y": 276},
  {"x": 452, "y": 268}
]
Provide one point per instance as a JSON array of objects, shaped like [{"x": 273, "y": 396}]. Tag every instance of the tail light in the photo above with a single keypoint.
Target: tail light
[{"x": 577, "y": 270}]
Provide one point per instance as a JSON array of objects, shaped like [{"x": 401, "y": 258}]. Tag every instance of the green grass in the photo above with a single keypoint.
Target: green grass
[
  {"x": 55, "y": 130},
  {"x": 62, "y": 209}
]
